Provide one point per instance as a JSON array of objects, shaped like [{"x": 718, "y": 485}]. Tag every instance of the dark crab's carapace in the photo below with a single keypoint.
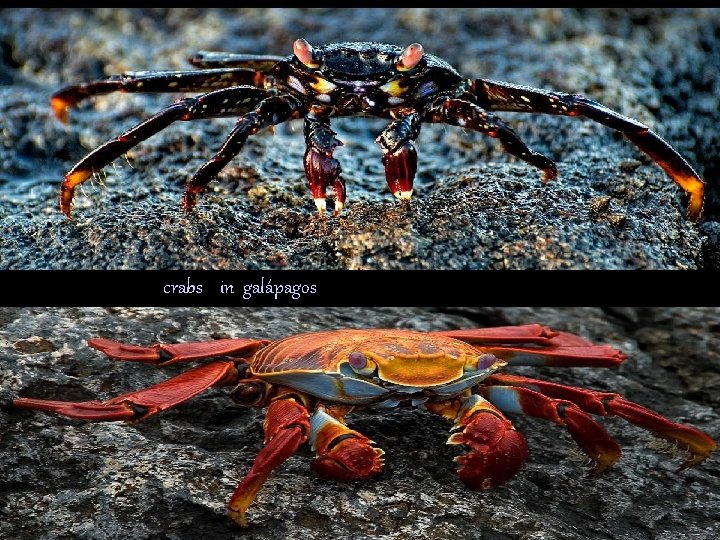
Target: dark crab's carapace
[
  {"x": 405, "y": 85},
  {"x": 310, "y": 382}
]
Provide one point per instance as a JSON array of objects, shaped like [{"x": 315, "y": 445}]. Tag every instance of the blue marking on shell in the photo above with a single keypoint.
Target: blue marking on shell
[
  {"x": 485, "y": 361},
  {"x": 425, "y": 89},
  {"x": 505, "y": 399},
  {"x": 527, "y": 359},
  {"x": 387, "y": 404},
  {"x": 331, "y": 386},
  {"x": 470, "y": 379}
]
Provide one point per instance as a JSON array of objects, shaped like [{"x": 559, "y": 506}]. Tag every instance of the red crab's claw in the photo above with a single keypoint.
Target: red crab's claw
[
  {"x": 342, "y": 454},
  {"x": 496, "y": 449}
]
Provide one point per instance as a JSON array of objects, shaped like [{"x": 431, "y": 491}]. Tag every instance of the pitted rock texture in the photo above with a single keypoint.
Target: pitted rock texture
[
  {"x": 474, "y": 207},
  {"x": 170, "y": 477}
]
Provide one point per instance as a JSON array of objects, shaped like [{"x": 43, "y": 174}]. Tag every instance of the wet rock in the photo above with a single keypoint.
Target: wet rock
[
  {"x": 171, "y": 476},
  {"x": 474, "y": 207}
]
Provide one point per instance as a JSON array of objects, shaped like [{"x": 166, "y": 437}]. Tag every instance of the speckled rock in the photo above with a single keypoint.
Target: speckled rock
[
  {"x": 170, "y": 477},
  {"x": 475, "y": 207}
]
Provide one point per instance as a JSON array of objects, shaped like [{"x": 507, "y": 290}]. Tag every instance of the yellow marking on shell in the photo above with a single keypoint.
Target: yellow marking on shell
[
  {"x": 418, "y": 370},
  {"x": 394, "y": 88},
  {"x": 525, "y": 99},
  {"x": 322, "y": 86}
]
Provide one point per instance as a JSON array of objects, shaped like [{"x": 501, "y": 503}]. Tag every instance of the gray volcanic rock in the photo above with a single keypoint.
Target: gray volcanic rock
[
  {"x": 170, "y": 477},
  {"x": 475, "y": 207}
]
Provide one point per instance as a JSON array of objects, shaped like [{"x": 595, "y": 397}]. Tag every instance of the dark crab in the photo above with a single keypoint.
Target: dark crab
[
  {"x": 310, "y": 382},
  {"x": 347, "y": 79}
]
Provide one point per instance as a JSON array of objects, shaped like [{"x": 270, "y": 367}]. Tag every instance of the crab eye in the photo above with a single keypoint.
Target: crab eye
[
  {"x": 357, "y": 360},
  {"x": 484, "y": 361},
  {"x": 410, "y": 57},
  {"x": 304, "y": 52},
  {"x": 360, "y": 363}
]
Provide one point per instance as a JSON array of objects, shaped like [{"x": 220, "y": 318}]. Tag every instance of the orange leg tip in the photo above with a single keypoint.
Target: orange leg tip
[
  {"x": 695, "y": 207},
  {"x": 60, "y": 108},
  {"x": 67, "y": 189},
  {"x": 73, "y": 178},
  {"x": 66, "y": 197},
  {"x": 549, "y": 174},
  {"x": 238, "y": 518}
]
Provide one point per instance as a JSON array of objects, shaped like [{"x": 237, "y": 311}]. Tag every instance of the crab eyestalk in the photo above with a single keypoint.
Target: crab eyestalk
[
  {"x": 305, "y": 53},
  {"x": 410, "y": 57}
]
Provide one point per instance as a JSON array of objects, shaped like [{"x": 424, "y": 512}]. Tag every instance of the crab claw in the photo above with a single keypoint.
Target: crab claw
[
  {"x": 342, "y": 454},
  {"x": 400, "y": 169},
  {"x": 496, "y": 449}
]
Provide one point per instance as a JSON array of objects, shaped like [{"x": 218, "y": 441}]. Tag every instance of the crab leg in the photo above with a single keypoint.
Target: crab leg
[
  {"x": 458, "y": 112},
  {"x": 523, "y": 333},
  {"x": 225, "y": 102},
  {"x": 154, "y": 81},
  {"x": 286, "y": 427},
  {"x": 163, "y": 354},
  {"x": 270, "y": 111},
  {"x": 533, "y": 345},
  {"x": 321, "y": 169},
  {"x": 590, "y": 436},
  {"x": 697, "y": 443},
  {"x": 399, "y": 154},
  {"x": 144, "y": 403},
  {"x": 256, "y": 62},
  {"x": 496, "y": 450},
  {"x": 342, "y": 453},
  {"x": 501, "y": 96}
]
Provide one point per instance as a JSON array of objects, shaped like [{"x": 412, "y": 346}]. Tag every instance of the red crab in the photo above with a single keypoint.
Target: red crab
[{"x": 310, "y": 382}]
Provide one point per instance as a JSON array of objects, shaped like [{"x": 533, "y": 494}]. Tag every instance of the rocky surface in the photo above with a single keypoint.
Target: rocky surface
[
  {"x": 170, "y": 477},
  {"x": 475, "y": 207}
]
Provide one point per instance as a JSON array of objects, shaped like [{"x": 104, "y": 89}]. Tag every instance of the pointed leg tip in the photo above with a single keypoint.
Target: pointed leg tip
[
  {"x": 238, "y": 518},
  {"x": 60, "y": 109},
  {"x": 339, "y": 205},
  {"x": 549, "y": 174},
  {"x": 188, "y": 201},
  {"x": 321, "y": 205},
  {"x": 403, "y": 195},
  {"x": 695, "y": 208},
  {"x": 67, "y": 189},
  {"x": 66, "y": 199}
]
